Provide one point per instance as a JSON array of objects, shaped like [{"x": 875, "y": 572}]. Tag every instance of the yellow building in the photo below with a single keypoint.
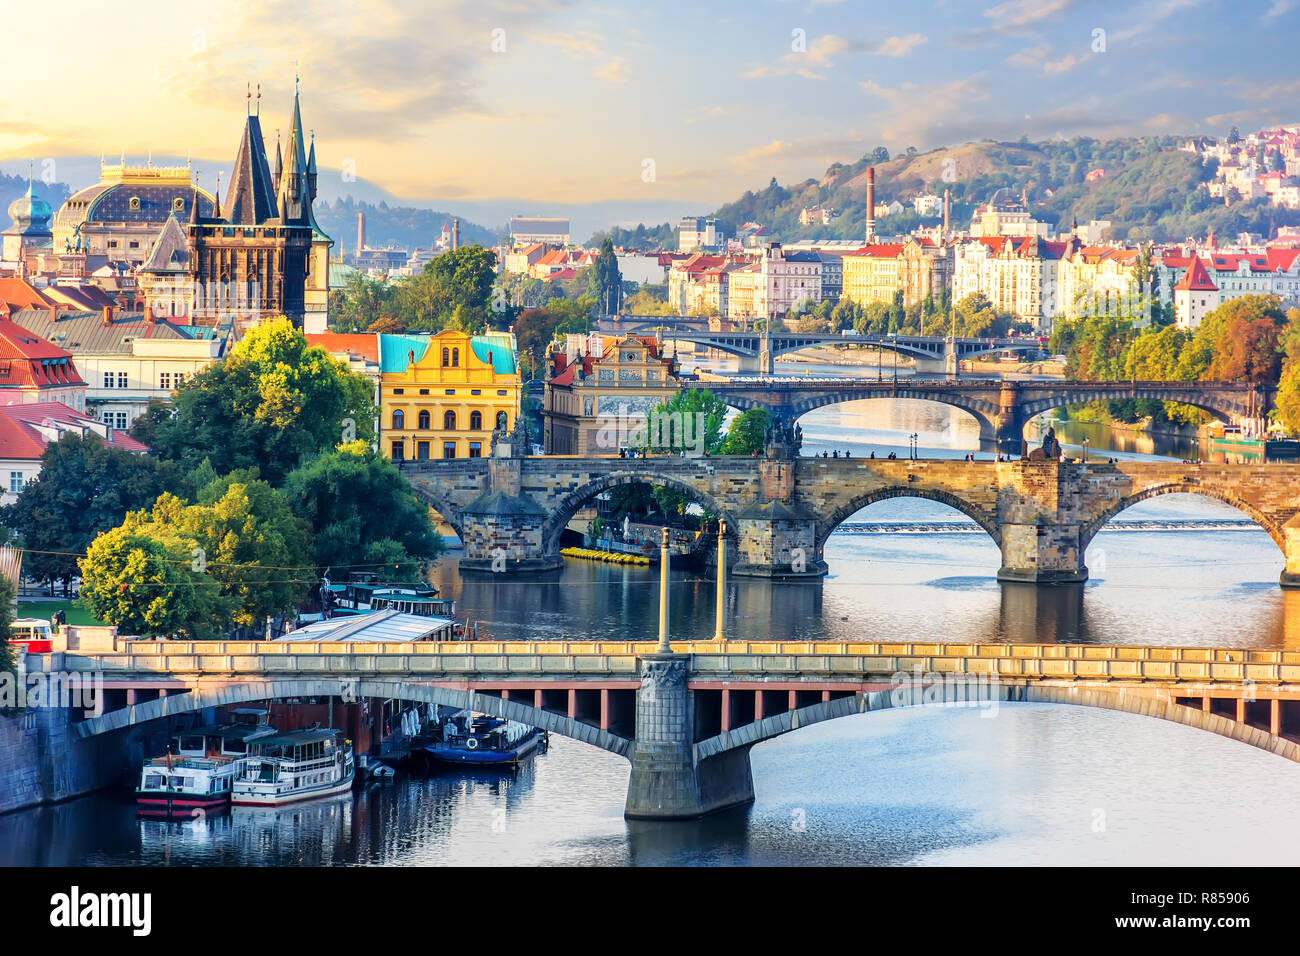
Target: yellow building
[{"x": 441, "y": 396}]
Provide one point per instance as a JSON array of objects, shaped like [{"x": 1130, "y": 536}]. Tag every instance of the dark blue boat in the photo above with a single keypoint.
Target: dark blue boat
[{"x": 482, "y": 741}]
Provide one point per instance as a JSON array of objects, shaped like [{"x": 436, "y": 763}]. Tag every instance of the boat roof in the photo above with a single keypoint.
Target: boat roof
[
  {"x": 297, "y": 738},
  {"x": 374, "y": 627},
  {"x": 231, "y": 731}
]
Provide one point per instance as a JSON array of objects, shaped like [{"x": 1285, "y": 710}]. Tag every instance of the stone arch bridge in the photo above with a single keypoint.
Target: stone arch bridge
[{"x": 510, "y": 512}]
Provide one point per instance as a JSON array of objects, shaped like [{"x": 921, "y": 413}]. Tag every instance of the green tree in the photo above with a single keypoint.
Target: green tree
[
  {"x": 273, "y": 403},
  {"x": 457, "y": 279},
  {"x": 363, "y": 512},
  {"x": 85, "y": 487},
  {"x": 145, "y": 581},
  {"x": 605, "y": 284},
  {"x": 254, "y": 546},
  {"x": 362, "y": 301},
  {"x": 7, "y": 662},
  {"x": 693, "y": 413},
  {"x": 747, "y": 431}
]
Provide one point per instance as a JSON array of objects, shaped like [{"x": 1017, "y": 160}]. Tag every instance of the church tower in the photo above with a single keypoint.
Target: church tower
[{"x": 266, "y": 255}]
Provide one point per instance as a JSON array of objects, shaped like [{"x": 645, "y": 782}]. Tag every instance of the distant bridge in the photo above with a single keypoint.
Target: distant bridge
[
  {"x": 687, "y": 719},
  {"x": 1002, "y": 407},
  {"x": 757, "y": 351}
]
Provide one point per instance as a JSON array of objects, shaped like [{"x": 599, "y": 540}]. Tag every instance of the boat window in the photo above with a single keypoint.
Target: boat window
[{"x": 153, "y": 781}]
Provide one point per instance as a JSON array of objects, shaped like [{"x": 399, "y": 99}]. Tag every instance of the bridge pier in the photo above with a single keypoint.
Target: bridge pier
[
  {"x": 667, "y": 781},
  {"x": 778, "y": 539},
  {"x": 1040, "y": 532},
  {"x": 1291, "y": 552},
  {"x": 505, "y": 534}
]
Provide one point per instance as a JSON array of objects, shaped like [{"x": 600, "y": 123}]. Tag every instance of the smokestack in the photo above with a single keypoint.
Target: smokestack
[
  {"x": 947, "y": 210},
  {"x": 361, "y": 233},
  {"x": 871, "y": 204},
  {"x": 455, "y": 233}
]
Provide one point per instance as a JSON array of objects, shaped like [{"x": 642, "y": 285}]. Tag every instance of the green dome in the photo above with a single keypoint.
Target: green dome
[{"x": 30, "y": 213}]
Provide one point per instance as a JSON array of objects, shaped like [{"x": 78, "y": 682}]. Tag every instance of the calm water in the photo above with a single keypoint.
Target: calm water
[{"x": 1028, "y": 784}]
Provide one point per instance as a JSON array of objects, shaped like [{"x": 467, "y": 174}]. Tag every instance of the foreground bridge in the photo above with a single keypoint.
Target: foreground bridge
[
  {"x": 511, "y": 512},
  {"x": 687, "y": 719},
  {"x": 1002, "y": 407}
]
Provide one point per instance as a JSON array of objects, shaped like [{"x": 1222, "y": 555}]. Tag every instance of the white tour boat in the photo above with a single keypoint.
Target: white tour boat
[
  {"x": 294, "y": 766},
  {"x": 198, "y": 771}
]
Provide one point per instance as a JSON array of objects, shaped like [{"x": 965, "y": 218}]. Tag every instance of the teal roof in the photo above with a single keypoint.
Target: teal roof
[
  {"x": 339, "y": 274},
  {"x": 394, "y": 350},
  {"x": 501, "y": 347}
]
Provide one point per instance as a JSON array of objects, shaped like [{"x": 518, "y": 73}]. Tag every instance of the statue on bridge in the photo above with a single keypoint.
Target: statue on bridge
[
  {"x": 782, "y": 439},
  {"x": 326, "y": 597},
  {"x": 1050, "y": 450}
]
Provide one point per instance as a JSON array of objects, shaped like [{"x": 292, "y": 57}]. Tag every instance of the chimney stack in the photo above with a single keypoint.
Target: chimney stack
[
  {"x": 361, "y": 233},
  {"x": 108, "y": 315},
  {"x": 871, "y": 204},
  {"x": 455, "y": 233},
  {"x": 947, "y": 211}
]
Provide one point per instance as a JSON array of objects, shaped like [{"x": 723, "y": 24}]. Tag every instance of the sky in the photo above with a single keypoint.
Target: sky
[{"x": 573, "y": 101}]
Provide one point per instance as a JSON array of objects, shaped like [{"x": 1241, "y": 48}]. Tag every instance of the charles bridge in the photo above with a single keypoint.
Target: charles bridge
[{"x": 778, "y": 512}]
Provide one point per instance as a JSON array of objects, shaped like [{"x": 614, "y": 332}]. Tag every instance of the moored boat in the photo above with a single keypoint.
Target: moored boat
[
  {"x": 480, "y": 740},
  {"x": 294, "y": 766},
  {"x": 198, "y": 771}
]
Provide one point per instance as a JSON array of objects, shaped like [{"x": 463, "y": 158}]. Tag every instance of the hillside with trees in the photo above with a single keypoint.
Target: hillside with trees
[{"x": 1150, "y": 190}]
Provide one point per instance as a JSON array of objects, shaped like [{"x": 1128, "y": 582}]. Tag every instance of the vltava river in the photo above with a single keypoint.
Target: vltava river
[{"x": 1025, "y": 784}]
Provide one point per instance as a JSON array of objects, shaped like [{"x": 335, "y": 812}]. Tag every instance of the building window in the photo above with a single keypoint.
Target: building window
[
  {"x": 476, "y": 391},
  {"x": 423, "y": 421},
  {"x": 501, "y": 422},
  {"x": 399, "y": 391},
  {"x": 122, "y": 380},
  {"x": 422, "y": 451},
  {"x": 501, "y": 391},
  {"x": 449, "y": 420},
  {"x": 424, "y": 391},
  {"x": 108, "y": 379},
  {"x": 116, "y": 419},
  {"x": 475, "y": 449},
  {"x": 399, "y": 451},
  {"x": 15, "y": 482},
  {"x": 446, "y": 357},
  {"x": 476, "y": 421},
  {"x": 165, "y": 380},
  {"x": 449, "y": 449},
  {"x": 455, "y": 358},
  {"x": 399, "y": 419}
]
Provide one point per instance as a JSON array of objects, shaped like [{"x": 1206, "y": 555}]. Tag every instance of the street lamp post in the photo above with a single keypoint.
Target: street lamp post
[
  {"x": 913, "y": 441},
  {"x": 664, "y": 647},
  {"x": 722, "y": 579},
  {"x": 1085, "y": 451}
]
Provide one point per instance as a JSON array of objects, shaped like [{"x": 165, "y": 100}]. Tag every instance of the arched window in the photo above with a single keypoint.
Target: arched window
[
  {"x": 449, "y": 420},
  {"x": 399, "y": 419},
  {"x": 455, "y": 358},
  {"x": 446, "y": 357},
  {"x": 424, "y": 419},
  {"x": 476, "y": 421},
  {"x": 501, "y": 421}
]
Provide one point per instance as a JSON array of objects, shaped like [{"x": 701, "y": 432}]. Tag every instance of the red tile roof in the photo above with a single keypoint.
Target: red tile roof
[
  {"x": 1196, "y": 279},
  {"x": 18, "y": 294},
  {"x": 29, "y": 361},
  {"x": 20, "y": 440}
]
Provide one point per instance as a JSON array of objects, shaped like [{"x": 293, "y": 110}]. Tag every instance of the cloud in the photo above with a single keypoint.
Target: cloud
[
  {"x": 1151, "y": 15},
  {"x": 578, "y": 46},
  {"x": 615, "y": 71},
  {"x": 706, "y": 113},
  {"x": 1012, "y": 18},
  {"x": 1063, "y": 65},
  {"x": 1278, "y": 8},
  {"x": 821, "y": 51}
]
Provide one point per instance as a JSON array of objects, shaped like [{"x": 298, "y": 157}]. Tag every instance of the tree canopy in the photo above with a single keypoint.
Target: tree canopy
[{"x": 272, "y": 403}]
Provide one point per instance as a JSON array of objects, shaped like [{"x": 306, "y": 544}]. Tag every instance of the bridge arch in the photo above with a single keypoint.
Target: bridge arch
[
  {"x": 841, "y": 514},
  {"x": 973, "y": 693},
  {"x": 1090, "y": 528},
  {"x": 449, "y": 512},
  {"x": 204, "y": 696},
  {"x": 1220, "y": 407},
  {"x": 564, "y": 510}
]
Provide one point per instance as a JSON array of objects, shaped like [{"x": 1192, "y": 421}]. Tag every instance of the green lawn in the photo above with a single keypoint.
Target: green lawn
[{"x": 43, "y": 609}]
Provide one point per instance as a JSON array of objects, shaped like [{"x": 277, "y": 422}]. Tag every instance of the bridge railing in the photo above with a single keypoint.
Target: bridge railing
[{"x": 731, "y": 659}]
